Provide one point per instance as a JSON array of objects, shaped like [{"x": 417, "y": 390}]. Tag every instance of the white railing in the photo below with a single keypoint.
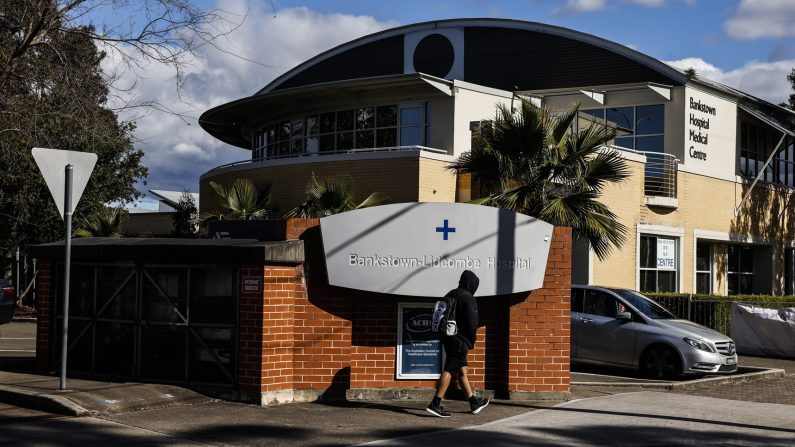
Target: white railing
[
  {"x": 324, "y": 153},
  {"x": 660, "y": 173}
]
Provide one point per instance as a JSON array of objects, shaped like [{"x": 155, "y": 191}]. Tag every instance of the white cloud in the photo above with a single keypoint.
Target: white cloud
[
  {"x": 755, "y": 19},
  {"x": 176, "y": 152},
  {"x": 579, "y": 6},
  {"x": 766, "y": 80}
]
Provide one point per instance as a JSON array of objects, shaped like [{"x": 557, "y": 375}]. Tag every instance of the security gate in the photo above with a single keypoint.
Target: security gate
[{"x": 160, "y": 323}]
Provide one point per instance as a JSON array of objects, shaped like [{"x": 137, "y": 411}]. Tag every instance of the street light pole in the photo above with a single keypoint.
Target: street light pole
[{"x": 66, "y": 269}]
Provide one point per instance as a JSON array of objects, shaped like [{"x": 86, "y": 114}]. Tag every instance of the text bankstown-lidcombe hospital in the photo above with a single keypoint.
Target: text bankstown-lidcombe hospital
[{"x": 708, "y": 204}]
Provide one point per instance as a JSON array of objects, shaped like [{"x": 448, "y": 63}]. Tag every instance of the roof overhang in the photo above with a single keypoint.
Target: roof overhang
[
  {"x": 778, "y": 123},
  {"x": 232, "y": 122},
  {"x": 599, "y": 94}
]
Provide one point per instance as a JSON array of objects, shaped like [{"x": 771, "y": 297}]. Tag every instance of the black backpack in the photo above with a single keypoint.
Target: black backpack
[{"x": 443, "y": 321}]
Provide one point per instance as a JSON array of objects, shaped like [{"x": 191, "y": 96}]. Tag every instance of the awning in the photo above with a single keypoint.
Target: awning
[
  {"x": 232, "y": 122},
  {"x": 780, "y": 124}
]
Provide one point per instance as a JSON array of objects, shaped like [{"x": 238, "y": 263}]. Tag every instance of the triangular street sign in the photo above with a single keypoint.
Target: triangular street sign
[{"x": 52, "y": 164}]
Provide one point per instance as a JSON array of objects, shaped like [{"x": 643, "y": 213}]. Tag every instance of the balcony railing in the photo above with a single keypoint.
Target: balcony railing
[
  {"x": 660, "y": 178},
  {"x": 322, "y": 154}
]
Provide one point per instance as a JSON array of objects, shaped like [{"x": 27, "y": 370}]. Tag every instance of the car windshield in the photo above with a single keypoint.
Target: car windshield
[{"x": 645, "y": 305}]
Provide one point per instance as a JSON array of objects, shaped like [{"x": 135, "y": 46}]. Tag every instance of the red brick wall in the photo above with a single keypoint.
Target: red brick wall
[
  {"x": 296, "y": 227},
  {"x": 46, "y": 317},
  {"x": 539, "y": 327}
]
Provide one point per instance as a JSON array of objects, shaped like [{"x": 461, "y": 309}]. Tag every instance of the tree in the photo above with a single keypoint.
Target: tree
[
  {"x": 242, "y": 201},
  {"x": 104, "y": 223},
  {"x": 532, "y": 162},
  {"x": 331, "y": 195},
  {"x": 43, "y": 110},
  {"x": 186, "y": 216},
  {"x": 790, "y": 104}
]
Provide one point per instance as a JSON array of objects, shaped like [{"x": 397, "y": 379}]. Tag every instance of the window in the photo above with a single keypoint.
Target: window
[
  {"x": 600, "y": 303},
  {"x": 576, "y": 299},
  {"x": 740, "y": 274},
  {"x": 757, "y": 142},
  {"x": 789, "y": 271},
  {"x": 342, "y": 130},
  {"x": 641, "y": 128},
  {"x": 657, "y": 266},
  {"x": 703, "y": 268}
]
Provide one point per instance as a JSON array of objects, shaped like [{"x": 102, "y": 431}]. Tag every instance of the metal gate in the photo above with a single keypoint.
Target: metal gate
[{"x": 160, "y": 323}]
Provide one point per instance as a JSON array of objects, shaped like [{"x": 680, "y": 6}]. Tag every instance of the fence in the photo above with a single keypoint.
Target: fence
[{"x": 714, "y": 314}]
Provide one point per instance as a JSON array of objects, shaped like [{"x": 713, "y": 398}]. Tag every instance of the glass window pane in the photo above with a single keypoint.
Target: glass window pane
[
  {"x": 344, "y": 141},
  {"x": 746, "y": 259},
  {"x": 703, "y": 262},
  {"x": 734, "y": 258},
  {"x": 386, "y": 137},
  {"x": 311, "y": 125},
  {"x": 666, "y": 281},
  {"x": 650, "y": 120},
  {"x": 297, "y": 146},
  {"x": 327, "y": 122},
  {"x": 649, "y": 144},
  {"x": 312, "y": 145},
  {"x": 297, "y": 129},
  {"x": 703, "y": 283},
  {"x": 648, "y": 252},
  {"x": 732, "y": 280},
  {"x": 625, "y": 142},
  {"x": 365, "y": 118},
  {"x": 599, "y": 303},
  {"x": 576, "y": 300},
  {"x": 410, "y": 136},
  {"x": 284, "y": 147},
  {"x": 345, "y": 120},
  {"x": 284, "y": 130},
  {"x": 746, "y": 284},
  {"x": 365, "y": 139},
  {"x": 411, "y": 116},
  {"x": 386, "y": 116},
  {"x": 327, "y": 143},
  {"x": 648, "y": 280},
  {"x": 622, "y": 119}
]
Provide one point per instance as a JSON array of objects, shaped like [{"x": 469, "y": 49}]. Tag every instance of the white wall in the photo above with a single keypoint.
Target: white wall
[
  {"x": 473, "y": 104},
  {"x": 710, "y": 134}
]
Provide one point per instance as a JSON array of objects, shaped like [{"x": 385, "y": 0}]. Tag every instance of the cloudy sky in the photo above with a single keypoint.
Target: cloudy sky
[{"x": 747, "y": 44}]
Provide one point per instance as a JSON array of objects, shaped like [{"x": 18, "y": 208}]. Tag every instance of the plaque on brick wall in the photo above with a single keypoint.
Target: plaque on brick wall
[
  {"x": 419, "y": 352},
  {"x": 251, "y": 284},
  {"x": 420, "y": 249}
]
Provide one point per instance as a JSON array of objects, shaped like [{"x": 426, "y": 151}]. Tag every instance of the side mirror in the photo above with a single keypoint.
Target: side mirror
[{"x": 624, "y": 316}]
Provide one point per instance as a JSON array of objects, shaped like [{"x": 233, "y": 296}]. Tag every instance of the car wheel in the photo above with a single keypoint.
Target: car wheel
[{"x": 660, "y": 362}]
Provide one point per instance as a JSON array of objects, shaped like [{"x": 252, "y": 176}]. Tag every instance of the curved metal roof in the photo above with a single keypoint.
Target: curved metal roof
[{"x": 503, "y": 54}]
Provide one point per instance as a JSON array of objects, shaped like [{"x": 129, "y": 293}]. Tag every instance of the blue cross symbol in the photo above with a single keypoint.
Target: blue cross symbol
[{"x": 445, "y": 229}]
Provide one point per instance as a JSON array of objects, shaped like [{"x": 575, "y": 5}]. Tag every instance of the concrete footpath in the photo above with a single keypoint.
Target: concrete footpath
[{"x": 744, "y": 412}]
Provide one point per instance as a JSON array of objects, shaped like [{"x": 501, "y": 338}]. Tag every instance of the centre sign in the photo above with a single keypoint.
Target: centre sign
[{"x": 420, "y": 249}]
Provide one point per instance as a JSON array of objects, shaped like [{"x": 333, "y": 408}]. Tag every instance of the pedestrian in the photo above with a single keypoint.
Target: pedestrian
[{"x": 457, "y": 346}]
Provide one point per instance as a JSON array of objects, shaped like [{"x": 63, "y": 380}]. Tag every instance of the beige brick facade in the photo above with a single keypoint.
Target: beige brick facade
[{"x": 705, "y": 212}]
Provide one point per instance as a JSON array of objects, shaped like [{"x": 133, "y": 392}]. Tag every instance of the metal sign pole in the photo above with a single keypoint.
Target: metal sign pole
[{"x": 67, "y": 262}]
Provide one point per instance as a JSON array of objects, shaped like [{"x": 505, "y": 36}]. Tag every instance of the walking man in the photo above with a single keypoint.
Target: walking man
[{"x": 457, "y": 346}]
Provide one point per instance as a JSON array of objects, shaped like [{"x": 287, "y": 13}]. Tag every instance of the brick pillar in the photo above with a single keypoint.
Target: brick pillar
[
  {"x": 280, "y": 287},
  {"x": 538, "y": 340},
  {"x": 296, "y": 227},
  {"x": 251, "y": 320},
  {"x": 45, "y": 323}
]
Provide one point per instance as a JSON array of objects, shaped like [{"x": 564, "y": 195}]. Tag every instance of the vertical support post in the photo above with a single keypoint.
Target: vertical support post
[
  {"x": 17, "y": 286},
  {"x": 35, "y": 271},
  {"x": 689, "y": 305},
  {"x": 66, "y": 267}
]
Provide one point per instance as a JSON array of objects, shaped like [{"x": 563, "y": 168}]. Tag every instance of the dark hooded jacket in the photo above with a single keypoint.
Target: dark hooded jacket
[{"x": 466, "y": 308}]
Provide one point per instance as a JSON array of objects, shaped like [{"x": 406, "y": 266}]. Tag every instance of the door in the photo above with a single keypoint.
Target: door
[{"x": 600, "y": 336}]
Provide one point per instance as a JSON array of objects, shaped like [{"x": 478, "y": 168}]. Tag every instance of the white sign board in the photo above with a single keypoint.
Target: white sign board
[
  {"x": 666, "y": 254},
  {"x": 52, "y": 164},
  {"x": 421, "y": 249}
]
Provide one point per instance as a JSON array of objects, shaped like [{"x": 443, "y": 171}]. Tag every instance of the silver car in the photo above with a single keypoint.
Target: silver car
[{"x": 619, "y": 327}]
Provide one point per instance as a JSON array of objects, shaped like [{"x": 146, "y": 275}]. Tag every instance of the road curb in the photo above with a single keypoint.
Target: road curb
[
  {"x": 758, "y": 374},
  {"x": 50, "y": 403}
]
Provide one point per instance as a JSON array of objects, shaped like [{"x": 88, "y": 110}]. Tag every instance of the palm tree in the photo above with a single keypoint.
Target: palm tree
[
  {"x": 331, "y": 195},
  {"x": 532, "y": 162},
  {"x": 242, "y": 201},
  {"x": 105, "y": 223}
]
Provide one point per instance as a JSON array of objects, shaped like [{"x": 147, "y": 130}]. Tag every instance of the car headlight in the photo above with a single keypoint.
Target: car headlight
[{"x": 699, "y": 344}]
